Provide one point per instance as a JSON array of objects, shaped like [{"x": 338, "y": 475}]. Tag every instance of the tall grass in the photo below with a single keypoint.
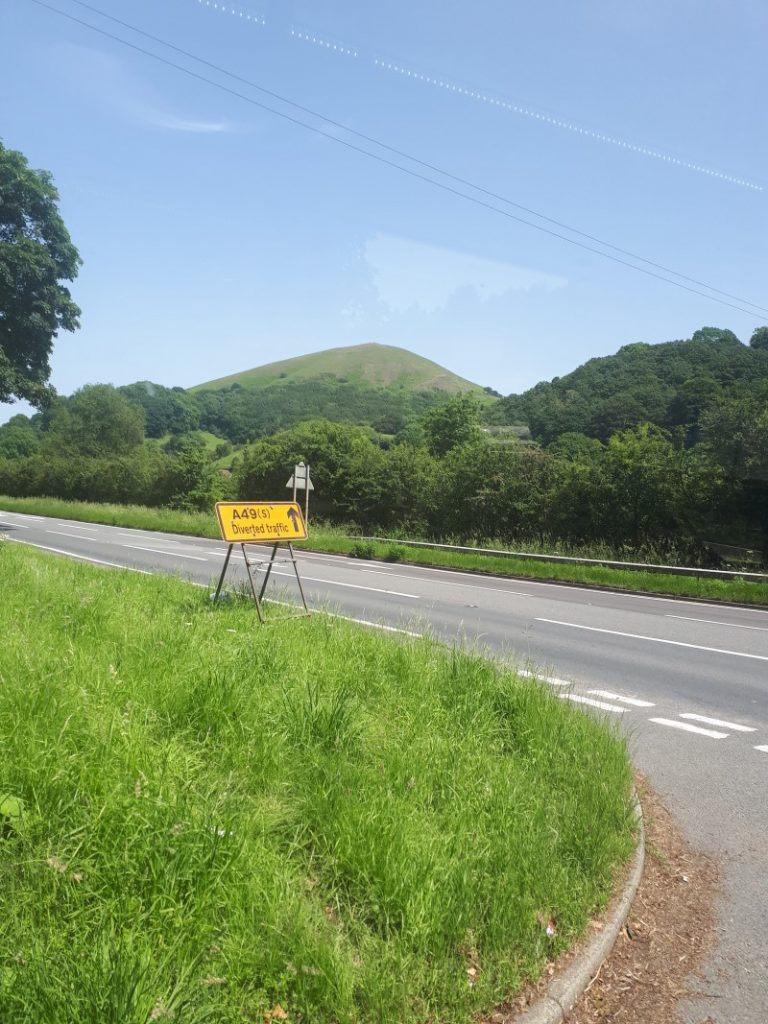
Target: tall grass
[{"x": 222, "y": 822}]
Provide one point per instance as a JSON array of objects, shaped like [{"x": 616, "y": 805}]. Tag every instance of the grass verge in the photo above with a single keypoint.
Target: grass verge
[
  {"x": 204, "y": 820},
  {"x": 337, "y": 541}
]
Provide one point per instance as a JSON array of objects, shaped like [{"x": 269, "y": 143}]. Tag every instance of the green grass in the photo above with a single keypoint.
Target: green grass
[
  {"x": 337, "y": 541},
  {"x": 220, "y": 818}
]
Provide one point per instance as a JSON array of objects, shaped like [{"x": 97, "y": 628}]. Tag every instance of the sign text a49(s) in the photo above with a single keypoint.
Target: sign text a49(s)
[{"x": 249, "y": 522}]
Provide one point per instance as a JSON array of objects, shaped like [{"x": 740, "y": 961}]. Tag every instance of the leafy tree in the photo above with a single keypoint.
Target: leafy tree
[
  {"x": 18, "y": 438},
  {"x": 668, "y": 385},
  {"x": 453, "y": 423},
  {"x": 36, "y": 256},
  {"x": 642, "y": 470},
  {"x": 96, "y": 421},
  {"x": 166, "y": 410},
  {"x": 192, "y": 482},
  {"x": 574, "y": 447}
]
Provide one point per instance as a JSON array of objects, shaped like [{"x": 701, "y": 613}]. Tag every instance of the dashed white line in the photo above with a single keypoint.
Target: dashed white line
[
  {"x": 592, "y": 703},
  {"x": 634, "y": 701},
  {"x": 656, "y": 639},
  {"x": 552, "y": 680},
  {"x": 374, "y": 625},
  {"x": 159, "y": 551},
  {"x": 20, "y": 526},
  {"x": 77, "y": 526},
  {"x": 60, "y": 533},
  {"x": 353, "y": 586},
  {"x": 716, "y": 622},
  {"x": 718, "y": 721},
  {"x": 473, "y": 586},
  {"x": 673, "y": 724},
  {"x": 763, "y": 747}
]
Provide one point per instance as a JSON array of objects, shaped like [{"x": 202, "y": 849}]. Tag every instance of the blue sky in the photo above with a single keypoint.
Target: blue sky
[{"x": 216, "y": 236}]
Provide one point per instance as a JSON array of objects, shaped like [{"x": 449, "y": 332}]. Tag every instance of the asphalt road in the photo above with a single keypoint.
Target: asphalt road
[{"x": 687, "y": 680}]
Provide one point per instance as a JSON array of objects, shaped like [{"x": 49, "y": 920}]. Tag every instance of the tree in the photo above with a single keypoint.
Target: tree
[
  {"x": 453, "y": 423},
  {"x": 97, "y": 421},
  {"x": 18, "y": 438},
  {"x": 36, "y": 255},
  {"x": 643, "y": 470},
  {"x": 759, "y": 338}
]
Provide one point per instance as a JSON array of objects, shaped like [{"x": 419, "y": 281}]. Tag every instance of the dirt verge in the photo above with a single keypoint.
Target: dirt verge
[{"x": 670, "y": 929}]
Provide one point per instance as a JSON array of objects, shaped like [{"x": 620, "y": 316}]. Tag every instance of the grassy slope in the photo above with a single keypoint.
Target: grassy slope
[
  {"x": 220, "y": 819},
  {"x": 203, "y": 524},
  {"x": 369, "y": 365}
]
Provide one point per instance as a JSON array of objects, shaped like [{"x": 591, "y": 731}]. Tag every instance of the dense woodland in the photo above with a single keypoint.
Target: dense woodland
[{"x": 658, "y": 451}]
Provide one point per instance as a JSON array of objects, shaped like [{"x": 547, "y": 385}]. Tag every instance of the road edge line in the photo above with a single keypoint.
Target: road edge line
[{"x": 567, "y": 988}]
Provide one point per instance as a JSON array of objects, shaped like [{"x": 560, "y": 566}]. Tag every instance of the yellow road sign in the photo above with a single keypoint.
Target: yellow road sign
[{"x": 251, "y": 522}]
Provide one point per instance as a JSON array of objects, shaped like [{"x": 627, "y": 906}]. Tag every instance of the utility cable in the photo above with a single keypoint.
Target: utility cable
[
  {"x": 391, "y": 163},
  {"x": 413, "y": 159}
]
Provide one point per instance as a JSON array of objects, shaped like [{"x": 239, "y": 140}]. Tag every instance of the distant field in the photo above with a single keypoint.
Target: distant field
[{"x": 208, "y": 821}]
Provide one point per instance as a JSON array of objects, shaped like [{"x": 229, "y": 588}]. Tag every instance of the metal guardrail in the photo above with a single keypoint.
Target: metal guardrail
[{"x": 672, "y": 570}]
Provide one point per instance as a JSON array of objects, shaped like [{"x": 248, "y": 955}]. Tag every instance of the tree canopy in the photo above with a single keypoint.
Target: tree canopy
[{"x": 36, "y": 256}]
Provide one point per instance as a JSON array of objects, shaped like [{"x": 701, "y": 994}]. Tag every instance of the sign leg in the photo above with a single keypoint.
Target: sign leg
[
  {"x": 269, "y": 570},
  {"x": 223, "y": 573},
  {"x": 256, "y": 599},
  {"x": 298, "y": 578}
]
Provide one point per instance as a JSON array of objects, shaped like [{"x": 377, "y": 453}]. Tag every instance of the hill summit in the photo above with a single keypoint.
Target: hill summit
[{"x": 370, "y": 365}]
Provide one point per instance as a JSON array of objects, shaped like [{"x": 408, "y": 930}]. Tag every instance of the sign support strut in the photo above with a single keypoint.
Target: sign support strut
[{"x": 255, "y": 566}]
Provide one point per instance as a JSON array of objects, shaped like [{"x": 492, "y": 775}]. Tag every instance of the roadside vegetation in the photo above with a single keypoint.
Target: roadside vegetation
[
  {"x": 338, "y": 540},
  {"x": 204, "y": 820}
]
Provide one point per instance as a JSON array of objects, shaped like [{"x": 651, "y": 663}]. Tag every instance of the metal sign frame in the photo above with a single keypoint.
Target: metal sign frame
[{"x": 262, "y": 564}]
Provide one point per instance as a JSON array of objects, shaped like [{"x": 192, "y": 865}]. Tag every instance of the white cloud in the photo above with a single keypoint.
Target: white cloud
[
  {"x": 180, "y": 124},
  {"x": 410, "y": 274},
  {"x": 112, "y": 84}
]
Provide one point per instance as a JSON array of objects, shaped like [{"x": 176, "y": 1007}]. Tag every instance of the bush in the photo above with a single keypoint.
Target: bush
[
  {"x": 363, "y": 549},
  {"x": 394, "y": 553}
]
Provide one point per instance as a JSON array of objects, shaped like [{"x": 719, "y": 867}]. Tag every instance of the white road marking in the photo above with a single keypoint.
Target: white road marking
[
  {"x": 335, "y": 615},
  {"x": 657, "y": 640},
  {"x": 634, "y": 701},
  {"x": 715, "y": 622},
  {"x": 763, "y": 747},
  {"x": 689, "y": 728},
  {"x": 20, "y": 526},
  {"x": 473, "y": 586},
  {"x": 84, "y": 558},
  {"x": 77, "y": 526},
  {"x": 544, "y": 679},
  {"x": 592, "y": 703},
  {"x": 27, "y": 515},
  {"x": 149, "y": 535},
  {"x": 375, "y": 625},
  {"x": 718, "y": 721},
  {"x": 159, "y": 551},
  {"x": 354, "y": 586},
  {"x": 60, "y": 533}
]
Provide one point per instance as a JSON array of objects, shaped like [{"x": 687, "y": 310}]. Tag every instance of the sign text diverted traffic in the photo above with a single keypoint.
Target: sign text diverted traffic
[{"x": 249, "y": 522}]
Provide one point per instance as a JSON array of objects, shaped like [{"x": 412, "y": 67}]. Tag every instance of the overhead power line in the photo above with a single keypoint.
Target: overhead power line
[{"x": 404, "y": 155}]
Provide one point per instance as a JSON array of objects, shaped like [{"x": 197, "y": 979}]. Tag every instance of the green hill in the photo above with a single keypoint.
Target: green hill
[
  {"x": 369, "y": 365},
  {"x": 373, "y": 385},
  {"x": 670, "y": 384}
]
